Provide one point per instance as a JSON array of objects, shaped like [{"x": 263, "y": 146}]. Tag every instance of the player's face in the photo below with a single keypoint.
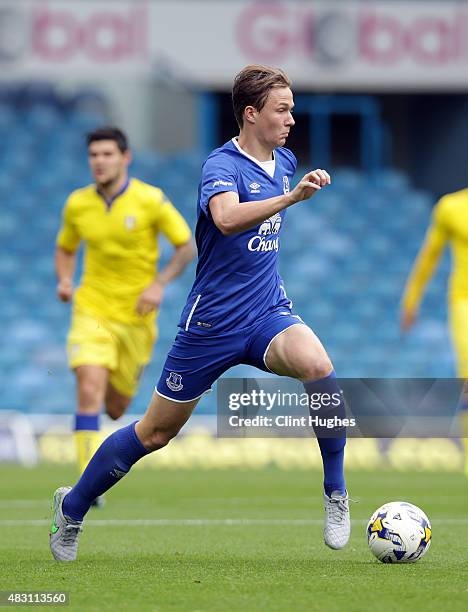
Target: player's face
[
  {"x": 108, "y": 163},
  {"x": 275, "y": 120}
]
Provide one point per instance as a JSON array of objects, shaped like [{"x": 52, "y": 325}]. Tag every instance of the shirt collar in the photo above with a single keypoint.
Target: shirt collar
[
  {"x": 235, "y": 141},
  {"x": 110, "y": 201}
]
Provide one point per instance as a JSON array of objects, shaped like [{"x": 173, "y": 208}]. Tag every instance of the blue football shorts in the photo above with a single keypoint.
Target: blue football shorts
[{"x": 196, "y": 361}]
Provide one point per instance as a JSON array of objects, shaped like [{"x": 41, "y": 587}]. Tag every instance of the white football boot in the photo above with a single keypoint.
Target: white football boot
[
  {"x": 64, "y": 531},
  {"x": 337, "y": 527}
]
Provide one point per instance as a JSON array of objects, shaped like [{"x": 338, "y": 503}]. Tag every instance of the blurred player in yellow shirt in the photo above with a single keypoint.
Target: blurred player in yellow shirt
[
  {"x": 449, "y": 226},
  {"x": 113, "y": 325}
]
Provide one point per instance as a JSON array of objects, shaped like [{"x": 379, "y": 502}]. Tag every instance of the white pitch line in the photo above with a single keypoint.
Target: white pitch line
[
  {"x": 198, "y": 522},
  {"x": 23, "y": 503}
]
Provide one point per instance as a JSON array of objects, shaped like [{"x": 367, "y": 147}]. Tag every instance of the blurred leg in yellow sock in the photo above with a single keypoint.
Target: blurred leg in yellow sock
[{"x": 87, "y": 438}]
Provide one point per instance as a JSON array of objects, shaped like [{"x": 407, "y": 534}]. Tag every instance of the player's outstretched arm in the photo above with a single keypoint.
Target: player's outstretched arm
[
  {"x": 231, "y": 218},
  {"x": 309, "y": 184},
  {"x": 426, "y": 263},
  {"x": 423, "y": 269},
  {"x": 65, "y": 262}
]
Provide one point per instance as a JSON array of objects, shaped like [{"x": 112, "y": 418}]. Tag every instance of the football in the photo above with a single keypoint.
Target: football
[{"x": 399, "y": 532}]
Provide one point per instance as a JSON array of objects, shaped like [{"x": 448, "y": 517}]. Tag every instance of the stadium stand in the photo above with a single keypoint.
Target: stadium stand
[{"x": 345, "y": 257}]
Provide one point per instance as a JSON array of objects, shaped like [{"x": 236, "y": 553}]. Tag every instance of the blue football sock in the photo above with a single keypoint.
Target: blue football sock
[
  {"x": 112, "y": 460},
  {"x": 331, "y": 446}
]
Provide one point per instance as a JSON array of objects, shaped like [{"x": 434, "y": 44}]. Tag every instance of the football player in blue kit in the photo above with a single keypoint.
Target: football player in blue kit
[{"x": 237, "y": 311}]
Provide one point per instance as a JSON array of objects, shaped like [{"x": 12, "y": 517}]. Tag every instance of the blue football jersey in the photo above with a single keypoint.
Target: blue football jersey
[{"x": 237, "y": 279}]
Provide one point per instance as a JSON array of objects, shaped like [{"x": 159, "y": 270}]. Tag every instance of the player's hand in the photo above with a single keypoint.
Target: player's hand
[
  {"x": 150, "y": 299},
  {"x": 407, "y": 319},
  {"x": 65, "y": 290},
  {"x": 309, "y": 184}
]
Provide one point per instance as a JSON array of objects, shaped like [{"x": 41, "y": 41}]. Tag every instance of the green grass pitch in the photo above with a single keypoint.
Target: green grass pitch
[{"x": 232, "y": 540}]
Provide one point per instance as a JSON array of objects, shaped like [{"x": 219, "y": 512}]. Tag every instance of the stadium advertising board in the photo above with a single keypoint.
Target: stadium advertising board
[
  {"x": 322, "y": 45},
  {"x": 41, "y": 39}
]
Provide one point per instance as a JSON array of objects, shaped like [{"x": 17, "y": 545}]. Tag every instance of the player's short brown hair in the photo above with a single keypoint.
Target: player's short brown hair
[
  {"x": 252, "y": 86},
  {"x": 109, "y": 133}
]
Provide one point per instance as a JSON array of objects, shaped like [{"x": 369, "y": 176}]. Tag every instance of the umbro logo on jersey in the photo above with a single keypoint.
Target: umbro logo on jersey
[{"x": 254, "y": 188}]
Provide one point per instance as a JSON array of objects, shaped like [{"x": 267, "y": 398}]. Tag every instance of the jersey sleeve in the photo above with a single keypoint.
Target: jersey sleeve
[
  {"x": 428, "y": 257},
  {"x": 440, "y": 226},
  {"x": 219, "y": 174},
  {"x": 68, "y": 237},
  {"x": 171, "y": 223}
]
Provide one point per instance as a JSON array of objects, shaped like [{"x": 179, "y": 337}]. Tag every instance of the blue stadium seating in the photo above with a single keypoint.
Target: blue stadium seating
[{"x": 345, "y": 257}]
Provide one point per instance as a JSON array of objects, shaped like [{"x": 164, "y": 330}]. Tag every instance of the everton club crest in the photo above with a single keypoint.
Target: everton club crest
[{"x": 174, "y": 381}]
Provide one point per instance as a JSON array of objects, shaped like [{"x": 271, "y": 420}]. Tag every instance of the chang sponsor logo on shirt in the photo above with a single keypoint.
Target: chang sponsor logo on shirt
[{"x": 269, "y": 227}]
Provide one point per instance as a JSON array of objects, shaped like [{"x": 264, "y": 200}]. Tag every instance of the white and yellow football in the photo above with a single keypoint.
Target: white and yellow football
[{"x": 399, "y": 532}]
